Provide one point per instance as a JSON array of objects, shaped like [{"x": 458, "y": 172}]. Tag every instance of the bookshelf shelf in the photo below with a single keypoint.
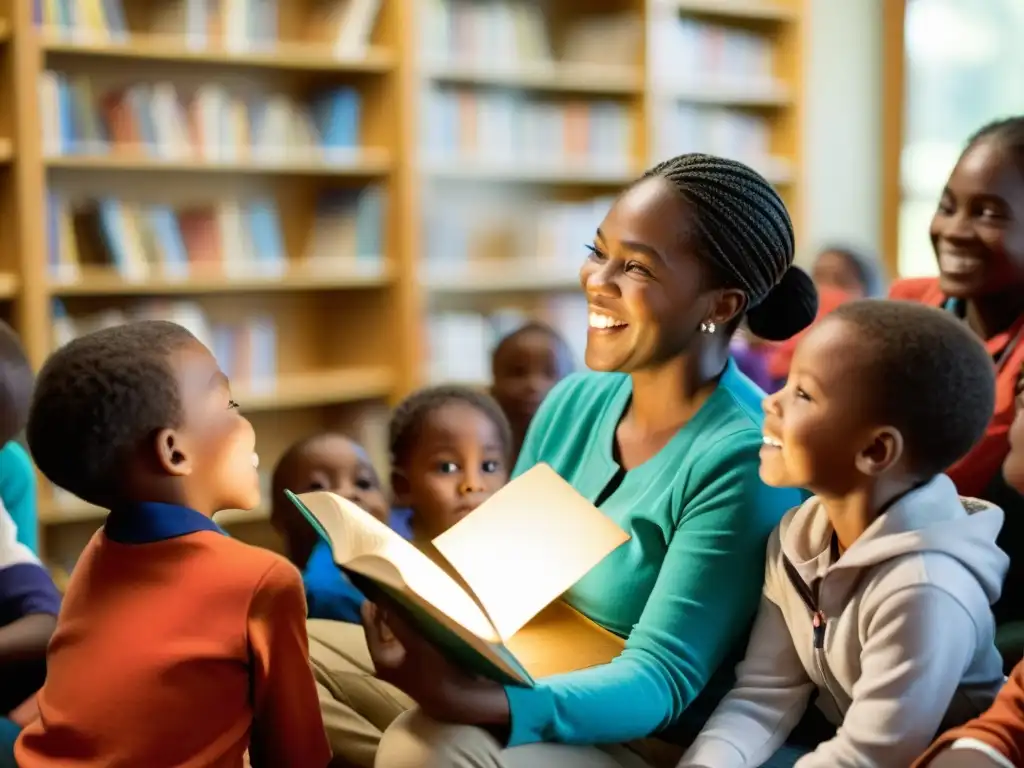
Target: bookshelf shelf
[
  {"x": 558, "y": 78},
  {"x": 175, "y": 50},
  {"x": 730, "y": 93},
  {"x": 317, "y": 388},
  {"x": 75, "y": 511},
  {"x": 361, "y": 164},
  {"x": 521, "y": 277},
  {"x": 106, "y": 282},
  {"x": 6, "y": 151},
  {"x": 744, "y": 10},
  {"x": 468, "y": 170}
]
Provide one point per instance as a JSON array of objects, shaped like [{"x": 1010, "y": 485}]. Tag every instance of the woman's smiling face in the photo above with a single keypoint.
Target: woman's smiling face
[{"x": 643, "y": 280}]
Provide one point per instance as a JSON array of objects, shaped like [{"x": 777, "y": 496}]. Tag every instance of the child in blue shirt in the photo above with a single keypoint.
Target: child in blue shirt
[{"x": 324, "y": 462}]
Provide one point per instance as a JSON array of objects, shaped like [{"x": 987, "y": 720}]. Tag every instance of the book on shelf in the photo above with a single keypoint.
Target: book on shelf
[
  {"x": 489, "y": 593},
  {"x": 208, "y": 122},
  {"x": 505, "y": 234},
  {"x": 459, "y": 344},
  {"x": 348, "y": 227},
  {"x": 512, "y": 131},
  {"x": 246, "y": 350},
  {"x": 686, "y": 48},
  {"x": 237, "y": 26},
  {"x": 232, "y": 238},
  {"x": 511, "y": 34},
  {"x": 745, "y": 136}
]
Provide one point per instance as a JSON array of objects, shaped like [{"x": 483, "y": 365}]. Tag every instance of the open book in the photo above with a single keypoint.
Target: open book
[{"x": 498, "y": 613}]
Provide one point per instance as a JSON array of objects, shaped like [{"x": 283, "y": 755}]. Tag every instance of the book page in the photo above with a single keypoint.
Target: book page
[
  {"x": 561, "y": 639},
  {"x": 362, "y": 543},
  {"x": 526, "y": 545}
]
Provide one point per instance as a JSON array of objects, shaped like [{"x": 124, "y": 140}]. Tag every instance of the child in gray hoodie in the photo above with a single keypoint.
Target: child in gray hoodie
[{"x": 878, "y": 589}]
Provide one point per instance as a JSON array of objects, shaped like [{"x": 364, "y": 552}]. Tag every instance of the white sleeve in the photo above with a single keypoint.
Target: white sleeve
[
  {"x": 919, "y": 642},
  {"x": 979, "y": 746},
  {"x": 12, "y": 551},
  {"x": 769, "y": 698}
]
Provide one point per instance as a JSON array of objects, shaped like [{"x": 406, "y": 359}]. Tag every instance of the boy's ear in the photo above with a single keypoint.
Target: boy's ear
[
  {"x": 171, "y": 453},
  {"x": 400, "y": 488},
  {"x": 883, "y": 451}
]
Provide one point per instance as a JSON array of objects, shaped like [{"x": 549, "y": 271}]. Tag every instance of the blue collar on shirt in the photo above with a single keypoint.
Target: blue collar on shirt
[{"x": 151, "y": 521}]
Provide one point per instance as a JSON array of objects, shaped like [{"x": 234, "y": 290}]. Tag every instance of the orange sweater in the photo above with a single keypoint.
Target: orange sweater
[
  {"x": 973, "y": 473},
  {"x": 1001, "y": 726},
  {"x": 177, "y": 646}
]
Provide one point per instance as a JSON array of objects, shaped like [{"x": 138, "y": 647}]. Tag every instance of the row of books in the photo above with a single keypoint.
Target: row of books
[
  {"x": 460, "y": 344},
  {"x": 507, "y": 33},
  {"x": 463, "y": 123},
  {"x": 464, "y": 232},
  {"x": 246, "y": 351},
  {"x": 745, "y": 136},
  {"x": 346, "y": 26},
  {"x": 686, "y": 50},
  {"x": 209, "y": 122},
  {"x": 232, "y": 238}
]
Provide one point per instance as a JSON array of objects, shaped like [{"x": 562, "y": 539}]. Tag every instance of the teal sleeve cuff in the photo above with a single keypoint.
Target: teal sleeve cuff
[{"x": 531, "y": 712}]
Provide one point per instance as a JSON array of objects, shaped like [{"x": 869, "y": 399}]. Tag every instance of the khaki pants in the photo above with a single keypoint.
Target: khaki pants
[
  {"x": 416, "y": 741},
  {"x": 356, "y": 706}
]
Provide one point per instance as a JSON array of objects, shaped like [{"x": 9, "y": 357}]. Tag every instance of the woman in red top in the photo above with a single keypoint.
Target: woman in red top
[{"x": 978, "y": 236}]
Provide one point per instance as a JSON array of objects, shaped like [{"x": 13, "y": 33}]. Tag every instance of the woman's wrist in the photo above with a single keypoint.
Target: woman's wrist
[{"x": 479, "y": 702}]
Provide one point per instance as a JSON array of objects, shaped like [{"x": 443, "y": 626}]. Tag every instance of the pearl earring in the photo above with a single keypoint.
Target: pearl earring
[{"x": 707, "y": 326}]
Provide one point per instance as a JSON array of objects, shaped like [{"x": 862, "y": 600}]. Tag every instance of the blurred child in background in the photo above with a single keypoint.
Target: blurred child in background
[
  {"x": 325, "y": 462},
  {"x": 525, "y": 365}
]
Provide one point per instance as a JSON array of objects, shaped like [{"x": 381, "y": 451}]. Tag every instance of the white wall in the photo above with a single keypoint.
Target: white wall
[{"x": 842, "y": 125}]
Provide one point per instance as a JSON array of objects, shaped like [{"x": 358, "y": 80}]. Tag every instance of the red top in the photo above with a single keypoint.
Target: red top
[
  {"x": 184, "y": 651},
  {"x": 1000, "y": 727},
  {"x": 977, "y": 469}
]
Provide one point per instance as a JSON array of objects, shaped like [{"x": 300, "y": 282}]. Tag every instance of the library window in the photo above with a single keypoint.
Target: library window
[{"x": 961, "y": 71}]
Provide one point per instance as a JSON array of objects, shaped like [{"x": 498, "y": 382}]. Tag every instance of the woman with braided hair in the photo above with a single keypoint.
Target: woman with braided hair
[{"x": 663, "y": 435}]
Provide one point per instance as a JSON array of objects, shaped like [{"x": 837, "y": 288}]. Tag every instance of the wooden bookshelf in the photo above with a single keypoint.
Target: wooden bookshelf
[{"x": 356, "y": 331}]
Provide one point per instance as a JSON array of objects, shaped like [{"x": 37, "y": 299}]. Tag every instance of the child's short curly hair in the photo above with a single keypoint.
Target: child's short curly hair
[
  {"x": 100, "y": 397},
  {"x": 407, "y": 418}
]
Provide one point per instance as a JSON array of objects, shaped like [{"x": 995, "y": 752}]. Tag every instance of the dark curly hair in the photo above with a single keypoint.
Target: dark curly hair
[
  {"x": 933, "y": 378},
  {"x": 408, "y": 417},
  {"x": 100, "y": 397},
  {"x": 1007, "y": 133},
  {"x": 16, "y": 382}
]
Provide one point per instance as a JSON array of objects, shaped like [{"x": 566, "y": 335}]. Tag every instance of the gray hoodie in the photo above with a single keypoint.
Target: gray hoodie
[{"x": 897, "y": 635}]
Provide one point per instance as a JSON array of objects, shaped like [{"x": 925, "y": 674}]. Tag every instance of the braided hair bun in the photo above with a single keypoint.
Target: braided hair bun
[{"x": 747, "y": 238}]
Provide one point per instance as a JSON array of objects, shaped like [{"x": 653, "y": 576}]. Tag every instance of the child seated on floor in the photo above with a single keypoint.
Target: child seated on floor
[
  {"x": 996, "y": 738},
  {"x": 525, "y": 365},
  {"x": 331, "y": 462},
  {"x": 878, "y": 590},
  {"x": 450, "y": 449},
  {"x": 176, "y": 644}
]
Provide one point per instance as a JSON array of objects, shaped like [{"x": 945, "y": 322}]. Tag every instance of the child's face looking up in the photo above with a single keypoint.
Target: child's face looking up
[
  {"x": 818, "y": 430},
  {"x": 525, "y": 370},
  {"x": 335, "y": 463},
  {"x": 214, "y": 451},
  {"x": 457, "y": 462}
]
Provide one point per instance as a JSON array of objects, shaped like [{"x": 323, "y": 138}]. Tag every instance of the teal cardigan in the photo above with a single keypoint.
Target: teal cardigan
[
  {"x": 685, "y": 588},
  {"x": 18, "y": 492}
]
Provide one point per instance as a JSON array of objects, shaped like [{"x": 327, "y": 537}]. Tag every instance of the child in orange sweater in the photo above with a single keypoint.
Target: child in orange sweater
[
  {"x": 176, "y": 644},
  {"x": 996, "y": 738}
]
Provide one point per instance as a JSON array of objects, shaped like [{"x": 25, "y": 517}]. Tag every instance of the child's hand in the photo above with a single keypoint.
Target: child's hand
[{"x": 402, "y": 657}]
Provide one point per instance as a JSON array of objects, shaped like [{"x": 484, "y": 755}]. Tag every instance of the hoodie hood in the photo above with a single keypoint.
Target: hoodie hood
[{"x": 932, "y": 518}]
